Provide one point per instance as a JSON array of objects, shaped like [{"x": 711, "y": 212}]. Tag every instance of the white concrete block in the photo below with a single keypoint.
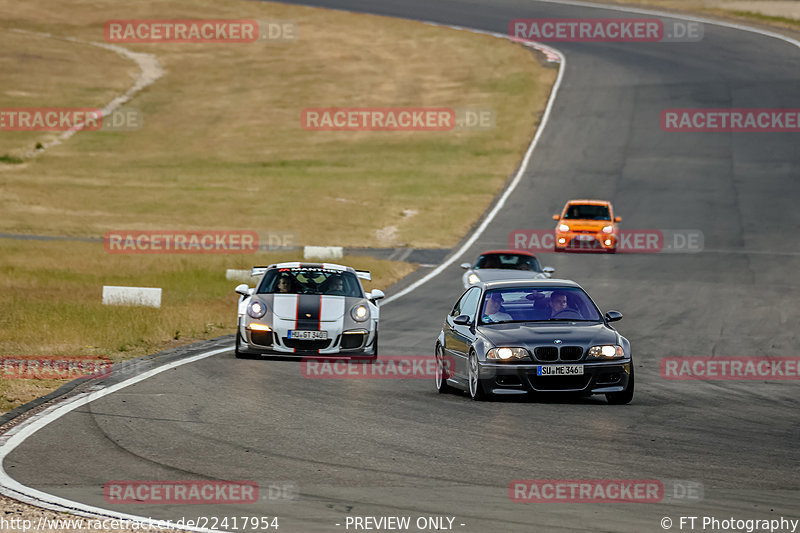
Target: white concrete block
[
  {"x": 238, "y": 275},
  {"x": 144, "y": 296},
  {"x": 323, "y": 252}
]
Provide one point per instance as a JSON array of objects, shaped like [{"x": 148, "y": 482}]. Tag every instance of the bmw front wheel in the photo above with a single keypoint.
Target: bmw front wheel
[
  {"x": 476, "y": 391},
  {"x": 441, "y": 371}
]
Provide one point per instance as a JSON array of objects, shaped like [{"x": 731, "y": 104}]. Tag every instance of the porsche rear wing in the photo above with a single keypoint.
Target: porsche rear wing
[{"x": 259, "y": 271}]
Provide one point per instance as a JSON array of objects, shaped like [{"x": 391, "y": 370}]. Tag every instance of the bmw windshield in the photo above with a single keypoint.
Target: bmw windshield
[{"x": 522, "y": 304}]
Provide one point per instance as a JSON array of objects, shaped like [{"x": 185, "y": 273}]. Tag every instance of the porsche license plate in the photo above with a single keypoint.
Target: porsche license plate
[
  {"x": 585, "y": 238},
  {"x": 308, "y": 335},
  {"x": 559, "y": 370}
]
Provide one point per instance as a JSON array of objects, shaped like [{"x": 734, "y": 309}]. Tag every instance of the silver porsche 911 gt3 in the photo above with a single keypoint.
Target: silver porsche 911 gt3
[{"x": 308, "y": 309}]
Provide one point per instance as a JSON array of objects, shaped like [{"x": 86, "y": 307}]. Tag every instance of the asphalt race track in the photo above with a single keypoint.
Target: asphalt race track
[{"x": 398, "y": 448}]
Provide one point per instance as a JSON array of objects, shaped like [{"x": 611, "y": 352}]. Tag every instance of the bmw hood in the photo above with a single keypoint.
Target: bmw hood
[{"x": 532, "y": 334}]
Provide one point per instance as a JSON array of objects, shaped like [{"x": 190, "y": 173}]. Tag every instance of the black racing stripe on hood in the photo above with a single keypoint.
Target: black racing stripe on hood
[{"x": 309, "y": 307}]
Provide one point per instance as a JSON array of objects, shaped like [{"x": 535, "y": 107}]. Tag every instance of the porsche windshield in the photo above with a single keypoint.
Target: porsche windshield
[
  {"x": 310, "y": 281},
  {"x": 522, "y": 304},
  {"x": 587, "y": 212}
]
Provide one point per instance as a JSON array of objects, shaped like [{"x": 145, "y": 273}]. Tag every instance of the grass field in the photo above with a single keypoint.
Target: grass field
[
  {"x": 222, "y": 147},
  {"x": 51, "y": 301}
]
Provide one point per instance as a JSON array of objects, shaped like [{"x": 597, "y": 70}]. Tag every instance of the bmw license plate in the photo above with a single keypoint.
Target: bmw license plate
[
  {"x": 559, "y": 370},
  {"x": 585, "y": 237},
  {"x": 308, "y": 335}
]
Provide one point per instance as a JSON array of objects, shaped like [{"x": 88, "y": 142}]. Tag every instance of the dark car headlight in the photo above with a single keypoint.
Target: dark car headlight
[
  {"x": 507, "y": 354},
  {"x": 256, "y": 309},
  {"x": 360, "y": 313},
  {"x": 606, "y": 351}
]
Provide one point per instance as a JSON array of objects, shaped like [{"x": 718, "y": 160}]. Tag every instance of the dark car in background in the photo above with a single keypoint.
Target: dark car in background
[{"x": 494, "y": 265}]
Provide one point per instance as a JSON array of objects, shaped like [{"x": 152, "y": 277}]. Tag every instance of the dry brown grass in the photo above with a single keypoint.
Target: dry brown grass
[
  {"x": 50, "y": 293},
  {"x": 222, "y": 145}
]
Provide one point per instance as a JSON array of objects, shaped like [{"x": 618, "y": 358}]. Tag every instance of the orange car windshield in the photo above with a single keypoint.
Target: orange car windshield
[{"x": 587, "y": 212}]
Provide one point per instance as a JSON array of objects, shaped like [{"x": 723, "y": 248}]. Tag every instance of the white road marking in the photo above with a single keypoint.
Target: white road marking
[{"x": 18, "y": 434}]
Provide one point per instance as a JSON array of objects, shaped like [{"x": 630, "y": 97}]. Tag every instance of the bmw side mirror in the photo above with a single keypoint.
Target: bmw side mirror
[
  {"x": 376, "y": 295},
  {"x": 243, "y": 289},
  {"x": 548, "y": 271},
  {"x": 462, "y": 320},
  {"x": 617, "y": 219},
  {"x": 465, "y": 266},
  {"x": 613, "y": 316},
  {"x": 556, "y": 217}
]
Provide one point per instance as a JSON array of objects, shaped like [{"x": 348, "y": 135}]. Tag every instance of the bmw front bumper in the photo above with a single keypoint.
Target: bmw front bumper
[{"x": 598, "y": 377}]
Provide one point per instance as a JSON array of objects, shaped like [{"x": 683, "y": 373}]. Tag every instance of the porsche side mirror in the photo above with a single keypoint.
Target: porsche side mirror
[
  {"x": 556, "y": 217},
  {"x": 613, "y": 316},
  {"x": 243, "y": 289},
  {"x": 465, "y": 266},
  {"x": 462, "y": 320},
  {"x": 548, "y": 271},
  {"x": 617, "y": 219},
  {"x": 376, "y": 295}
]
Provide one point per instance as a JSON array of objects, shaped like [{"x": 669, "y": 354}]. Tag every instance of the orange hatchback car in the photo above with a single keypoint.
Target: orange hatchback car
[{"x": 587, "y": 225}]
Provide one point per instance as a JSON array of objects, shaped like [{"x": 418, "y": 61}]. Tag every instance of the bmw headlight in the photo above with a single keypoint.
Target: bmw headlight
[
  {"x": 473, "y": 279},
  {"x": 563, "y": 227},
  {"x": 507, "y": 354},
  {"x": 607, "y": 351},
  {"x": 608, "y": 229},
  {"x": 256, "y": 309},
  {"x": 360, "y": 313}
]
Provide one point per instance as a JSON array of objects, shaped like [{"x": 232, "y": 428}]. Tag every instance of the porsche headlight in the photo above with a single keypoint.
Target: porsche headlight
[
  {"x": 256, "y": 309},
  {"x": 473, "y": 279},
  {"x": 360, "y": 313},
  {"x": 608, "y": 229},
  {"x": 563, "y": 227},
  {"x": 607, "y": 351},
  {"x": 507, "y": 354}
]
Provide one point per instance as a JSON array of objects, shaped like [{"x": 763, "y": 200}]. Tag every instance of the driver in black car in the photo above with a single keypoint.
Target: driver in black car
[{"x": 558, "y": 303}]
